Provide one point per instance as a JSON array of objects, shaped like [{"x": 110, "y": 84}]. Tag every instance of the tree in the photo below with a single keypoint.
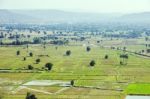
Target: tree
[
  {"x": 148, "y": 50},
  {"x": 17, "y": 42},
  {"x": 27, "y": 47},
  {"x": 24, "y": 58},
  {"x": 142, "y": 51},
  {"x": 124, "y": 58},
  {"x": 44, "y": 32},
  {"x": 68, "y": 52},
  {"x": 1, "y": 42},
  {"x": 30, "y": 54},
  {"x": 39, "y": 32},
  {"x": 98, "y": 41},
  {"x": 124, "y": 48},
  {"x": 146, "y": 45},
  {"x": 44, "y": 47},
  {"x": 146, "y": 38},
  {"x": 30, "y": 67},
  {"x": 49, "y": 66},
  {"x": 106, "y": 56},
  {"x": 37, "y": 60},
  {"x": 72, "y": 82},
  {"x": 30, "y": 96},
  {"x": 36, "y": 40},
  {"x": 18, "y": 52},
  {"x": 88, "y": 48},
  {"x": 92, "y": 63}
]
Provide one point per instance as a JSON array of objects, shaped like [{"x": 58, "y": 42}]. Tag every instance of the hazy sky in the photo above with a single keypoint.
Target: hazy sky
[{"x": 103, "y": 6}]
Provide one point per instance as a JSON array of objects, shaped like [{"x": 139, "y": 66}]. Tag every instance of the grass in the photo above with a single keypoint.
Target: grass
[
  {"x": 138, "y": 88},
  {"x": 107, "y": 74}
]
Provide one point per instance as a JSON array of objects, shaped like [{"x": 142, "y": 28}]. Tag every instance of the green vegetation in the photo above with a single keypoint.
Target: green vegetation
[
  {"x": 107, "y": 74},
  {"x": 30, "y": 96},
  {"x": 95, "y": 67},
  {"x": 138, "y": 89},
  {"x": 49, "y": 66}
]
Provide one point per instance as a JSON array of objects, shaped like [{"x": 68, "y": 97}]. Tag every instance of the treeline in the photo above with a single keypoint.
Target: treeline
[
  {"x": 17, "y": 42},
  {"x": 122, "y": 35}
]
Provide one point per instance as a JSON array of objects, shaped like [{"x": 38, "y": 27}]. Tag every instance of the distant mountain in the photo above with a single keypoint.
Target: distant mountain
[
  {"x": 7, "y": 16},
  {"x": 58, "y": 16},
  {"x": 136, "y": 18},
  {"x": 51, "y": 16}
]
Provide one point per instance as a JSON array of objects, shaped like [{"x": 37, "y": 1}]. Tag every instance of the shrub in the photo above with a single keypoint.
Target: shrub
[
  {"x": 68, "y": 52},
  {"x": 18, "y": 53},
  {"x": 88, "y": 49},
  {"x": 24, "y": 58},
  {"x": 49, "y": 66},
  {"x": 30, "y": 54},
  {"x": 72, "y": 82},
  {"x": 30, "y": 96},
  {"x": 106, "y": 56},
  {"x": 37, "y": 60},
  {"x": 92, "y": 63},
  {"x": 30, "y": 67}
]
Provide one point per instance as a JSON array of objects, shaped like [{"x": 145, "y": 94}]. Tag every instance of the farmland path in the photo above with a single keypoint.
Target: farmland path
[
  {"x": 63, "y": 89},
  {"x": 45, "y": 92},
  {"x": 36, "y": 90},
  {"x": 24, "y": 87}
]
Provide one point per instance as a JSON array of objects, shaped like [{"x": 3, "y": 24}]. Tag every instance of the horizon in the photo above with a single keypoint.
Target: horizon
[
  {"x": 89, "y": 6},
  {"x": 74, "y": 11}
]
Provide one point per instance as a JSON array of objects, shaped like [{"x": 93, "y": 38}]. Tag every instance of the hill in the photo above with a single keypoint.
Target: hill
[{"x": 58, "y": 16}]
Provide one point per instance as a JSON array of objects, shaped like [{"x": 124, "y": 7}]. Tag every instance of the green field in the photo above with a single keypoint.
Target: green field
[
  {"x": 138, "y": 89},
  {"x": 106, "y": 80}
]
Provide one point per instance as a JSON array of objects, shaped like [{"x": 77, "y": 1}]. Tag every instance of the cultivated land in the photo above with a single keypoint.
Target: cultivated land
[{"x": 106, "y": 80}]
